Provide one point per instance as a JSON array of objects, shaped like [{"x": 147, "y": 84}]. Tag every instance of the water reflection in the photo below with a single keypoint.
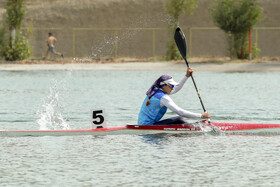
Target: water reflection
[
  {"x": 155, "y": 139},
  {"x": 163, "y": 139}
]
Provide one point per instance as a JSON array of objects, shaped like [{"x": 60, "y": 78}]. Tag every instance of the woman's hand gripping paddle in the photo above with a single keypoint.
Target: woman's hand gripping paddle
[{"x": 182, "y": 46}]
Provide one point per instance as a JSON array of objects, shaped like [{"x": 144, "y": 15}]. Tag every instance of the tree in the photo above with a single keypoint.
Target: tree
[
  {"x": 14, "y": 45},
  {"x": 175, "y": 8},
  {"x": 236, "y": 18}
]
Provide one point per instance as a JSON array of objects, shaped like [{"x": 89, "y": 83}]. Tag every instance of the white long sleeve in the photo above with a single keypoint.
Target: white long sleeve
[{"x": 168, "y": 102}]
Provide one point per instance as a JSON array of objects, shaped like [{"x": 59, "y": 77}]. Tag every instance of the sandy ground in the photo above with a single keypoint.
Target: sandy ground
[{"x": 147, "y": 66}]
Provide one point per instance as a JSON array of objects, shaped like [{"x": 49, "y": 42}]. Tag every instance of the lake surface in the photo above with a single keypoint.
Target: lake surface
[{"x": 65, "y": 99}]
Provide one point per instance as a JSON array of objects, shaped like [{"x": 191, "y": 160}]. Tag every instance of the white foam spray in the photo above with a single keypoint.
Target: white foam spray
[{"x": 51, "y": 114}]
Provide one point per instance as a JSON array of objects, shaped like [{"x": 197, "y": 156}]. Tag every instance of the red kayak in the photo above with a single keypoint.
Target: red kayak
[
  {"x": 192, "y": 128},
  {"x": 205, "y": 127}
]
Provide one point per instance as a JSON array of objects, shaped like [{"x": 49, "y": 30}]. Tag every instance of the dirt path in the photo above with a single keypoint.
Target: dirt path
[{"x": 147, "y": 66}]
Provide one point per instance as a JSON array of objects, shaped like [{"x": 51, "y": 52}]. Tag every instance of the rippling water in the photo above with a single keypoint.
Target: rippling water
[{"x": 57, "y": 100}]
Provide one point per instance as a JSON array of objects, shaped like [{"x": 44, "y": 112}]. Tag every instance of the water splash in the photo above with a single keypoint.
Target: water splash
[
  {"x": 51, "y": 114},
  {"x": 206, "y": 129}
]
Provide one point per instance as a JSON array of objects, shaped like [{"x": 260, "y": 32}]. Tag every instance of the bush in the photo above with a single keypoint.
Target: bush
[
  {"x": 175, "y": 8},
  {"x": 13, "y": 45},
  {"x": 20, "y": 50},
  {"x": 236, "y": 18},
  {"x": 3, "y": 40},
  {"x": 172, "y": 52}
]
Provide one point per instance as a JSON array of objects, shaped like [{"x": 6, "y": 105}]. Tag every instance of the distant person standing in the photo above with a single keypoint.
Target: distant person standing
[{"x": 51, "y": 42}]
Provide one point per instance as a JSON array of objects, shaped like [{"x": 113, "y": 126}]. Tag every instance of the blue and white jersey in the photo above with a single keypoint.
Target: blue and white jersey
[{"x": 152, "y": 113}]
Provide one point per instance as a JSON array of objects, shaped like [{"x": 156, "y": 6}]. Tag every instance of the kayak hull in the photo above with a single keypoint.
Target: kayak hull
[
  {"x": 194, "y": 128},
  {"x": 93, "y": 132}
]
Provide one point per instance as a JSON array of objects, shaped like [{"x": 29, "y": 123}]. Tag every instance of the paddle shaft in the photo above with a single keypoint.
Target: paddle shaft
[
  {"x": 197, "y": 91},
  {"x": 198, "y": 94}
]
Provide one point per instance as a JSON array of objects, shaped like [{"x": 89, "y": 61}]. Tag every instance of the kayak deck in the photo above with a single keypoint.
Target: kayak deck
[{"x": 193, "y": 128}]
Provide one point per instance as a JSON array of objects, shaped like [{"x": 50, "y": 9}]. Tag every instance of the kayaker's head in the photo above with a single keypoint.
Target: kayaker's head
[
  {"x": 168, "y": 85},
  {"x": 164, "y": 82}
]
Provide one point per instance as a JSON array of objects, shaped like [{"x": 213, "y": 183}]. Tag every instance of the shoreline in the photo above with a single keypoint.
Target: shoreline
[
  {"x": 146, "y": 66},
  {"x": 211, "y": 64}
]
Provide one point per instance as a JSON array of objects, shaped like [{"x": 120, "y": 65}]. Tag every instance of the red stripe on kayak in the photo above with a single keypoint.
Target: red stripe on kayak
[
  {"x": 197, "y": 127},
  {"x": 244, "y": 126},
  {"x": 184, "y": 127}
]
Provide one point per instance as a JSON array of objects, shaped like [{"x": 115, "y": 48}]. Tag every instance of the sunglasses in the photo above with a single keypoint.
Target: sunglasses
[{"x": 171, "y": 86}]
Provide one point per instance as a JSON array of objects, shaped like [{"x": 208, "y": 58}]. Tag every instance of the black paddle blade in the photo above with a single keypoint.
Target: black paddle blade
[{"x": 181, "y": 43}]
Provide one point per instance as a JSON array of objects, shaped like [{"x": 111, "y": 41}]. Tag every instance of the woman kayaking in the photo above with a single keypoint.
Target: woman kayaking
[{"x": 157, "y": 101}]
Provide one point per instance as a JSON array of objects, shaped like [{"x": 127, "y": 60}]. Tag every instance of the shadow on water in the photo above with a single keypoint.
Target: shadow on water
[
  {"x": 162, "y": 139},
  {"x": 154, "y": 139}
]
